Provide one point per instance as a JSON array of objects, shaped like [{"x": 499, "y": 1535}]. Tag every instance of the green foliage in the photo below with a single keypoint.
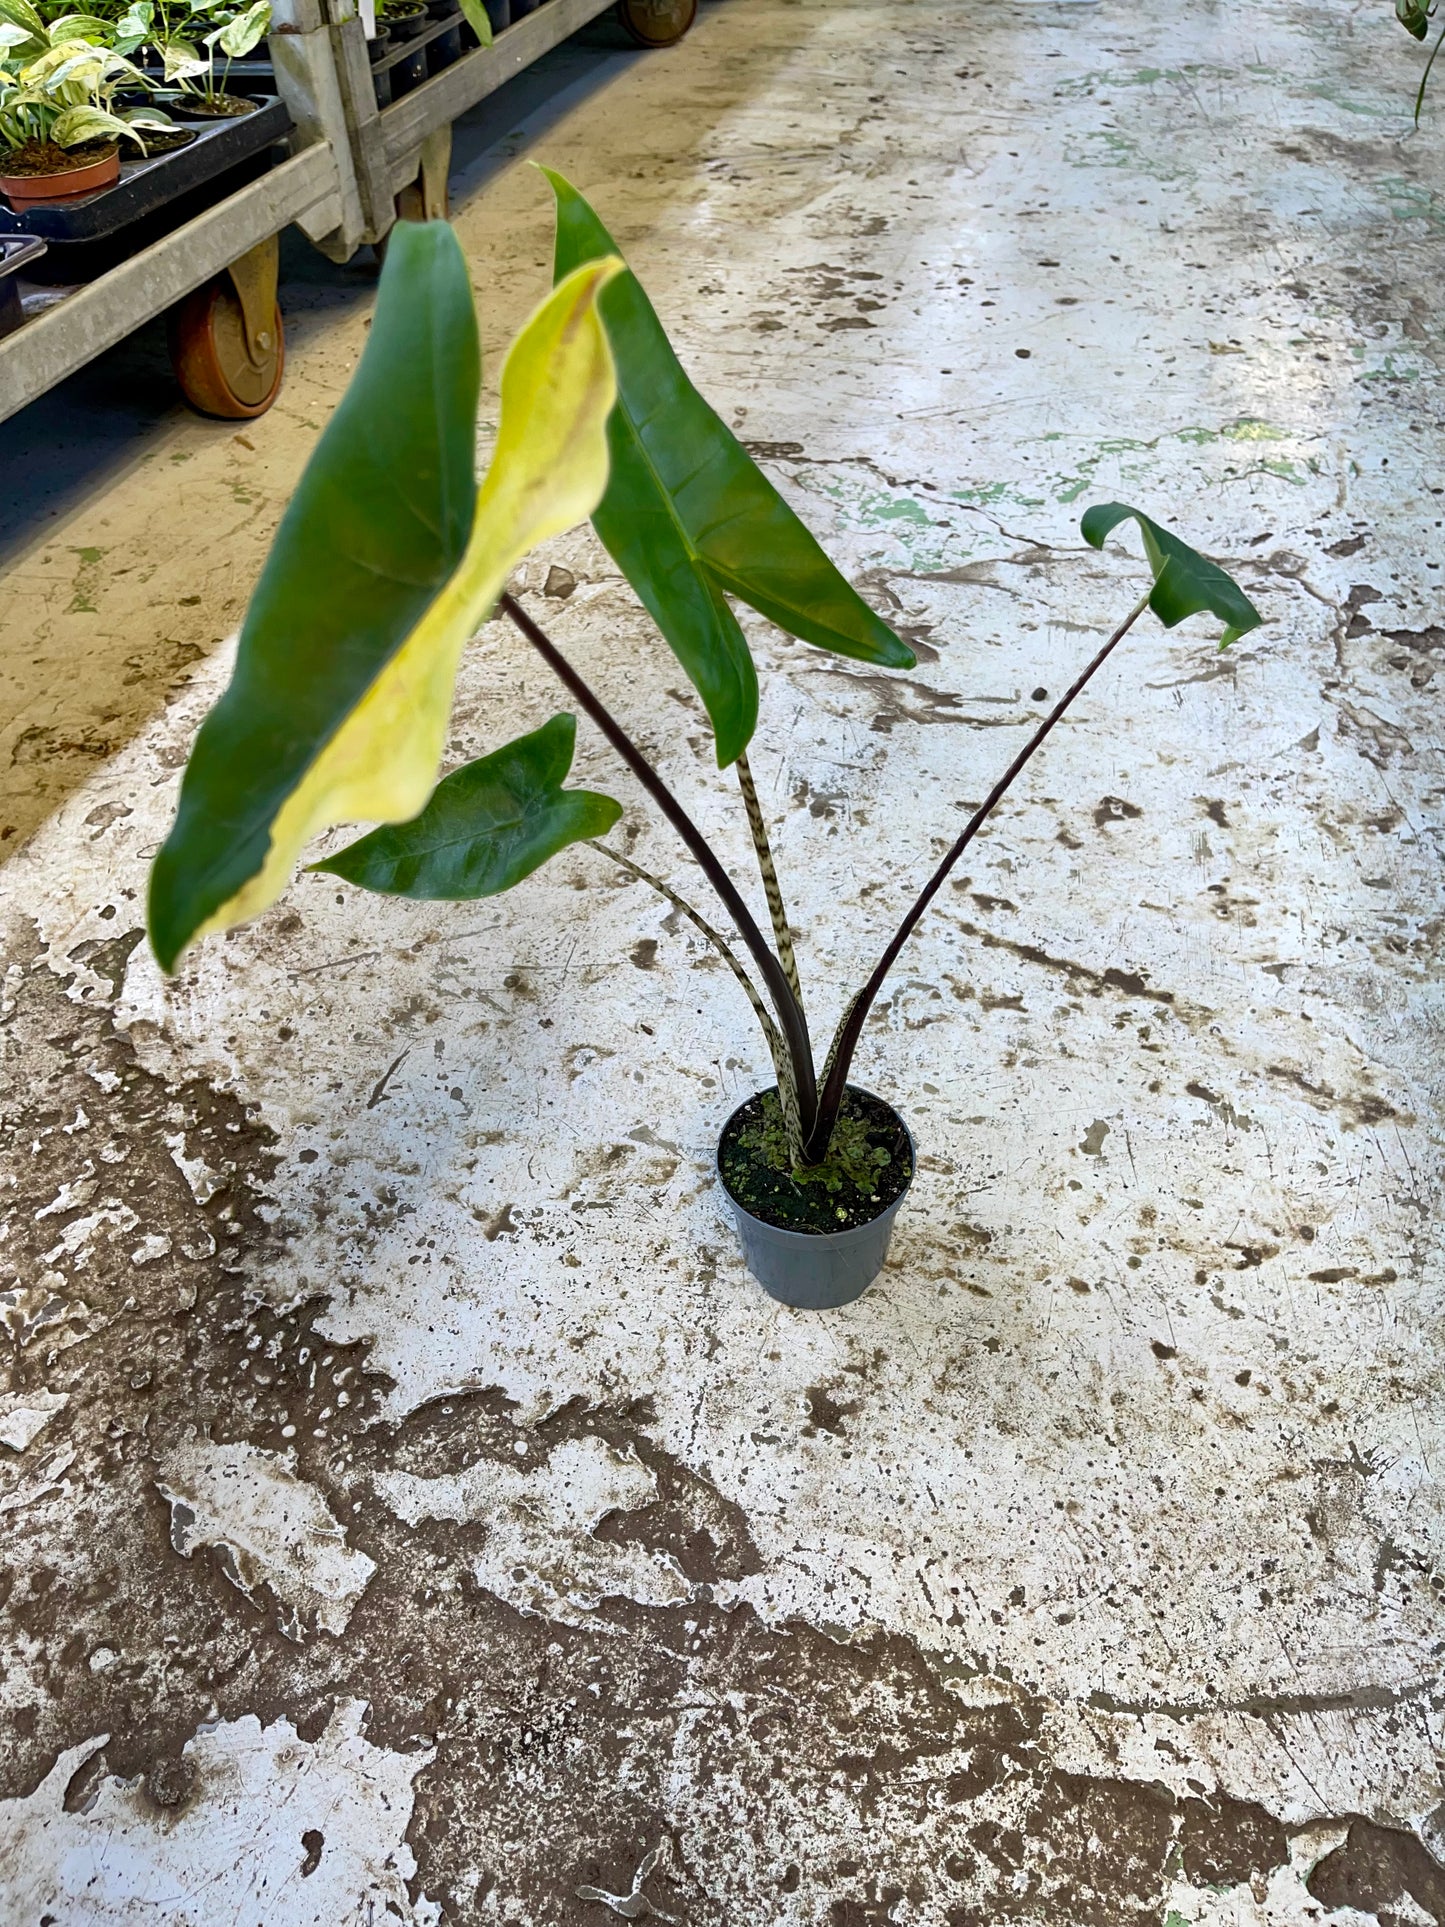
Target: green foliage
[
  {"x": 690, "y": 519},
  {"x": 386, "y": 561},
  {"x": 1185, "y": 583},
  {"x": 851, "y": 1159},
  {"x": 488, "y": 825},
  {"x": 1413, "y": 17},
  {"x": 58, "y": 82},
  {"x": 475, "y": 15},
  {"x": 387, "y": 498},
  {"x": 390, "y": 557}
]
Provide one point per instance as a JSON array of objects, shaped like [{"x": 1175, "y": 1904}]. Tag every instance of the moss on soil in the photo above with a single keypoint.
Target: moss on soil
[{"x": 869, "y": 1165}]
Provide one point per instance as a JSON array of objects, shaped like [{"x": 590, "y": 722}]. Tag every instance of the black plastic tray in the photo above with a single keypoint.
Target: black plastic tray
[
  {"x": 146, "y": 186},
  {"x": 17, "y": 252}
]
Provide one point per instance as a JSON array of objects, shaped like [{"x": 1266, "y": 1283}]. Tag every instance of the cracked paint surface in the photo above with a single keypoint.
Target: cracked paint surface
[
  {"x": 259, "y": 1822},
  {"x": 368, "y": 1280},
  {"x": 271, "y": 1529}
]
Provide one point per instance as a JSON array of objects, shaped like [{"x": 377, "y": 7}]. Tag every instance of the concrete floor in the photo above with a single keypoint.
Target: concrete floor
[{"x": 411, "y": 1509}]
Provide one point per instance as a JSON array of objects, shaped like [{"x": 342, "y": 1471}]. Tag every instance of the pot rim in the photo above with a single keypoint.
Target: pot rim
[
  {"x": 814, "y": 1239},
  {"x": 81, "y": 177}
]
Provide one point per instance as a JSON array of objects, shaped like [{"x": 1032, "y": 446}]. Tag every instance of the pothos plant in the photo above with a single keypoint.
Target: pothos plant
[
  {"x": 58, "y": 82},
  {"x": 390, "y": 557},
  {"x": 186, "y": 39}
]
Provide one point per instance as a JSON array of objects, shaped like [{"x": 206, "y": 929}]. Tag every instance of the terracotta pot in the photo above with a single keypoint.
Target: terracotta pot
[{"x": 31, "y": 190}]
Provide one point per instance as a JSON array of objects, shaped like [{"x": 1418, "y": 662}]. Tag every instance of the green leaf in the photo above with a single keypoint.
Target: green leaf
[
  {"x": 488, "y": 825},
  {"x": 1185, "y": 583},
  {"x": 1413, "y": 17},
  {"x": 245, "y": 31},
  {"x": 81, "y": 26},
  {"x": 690, "y": 519},
  {"x": 475, "y": 15},
  {"x": 76, "y": 125},
  {"x": 387, "y": 559},
  {"x": 21, "y": 14}
]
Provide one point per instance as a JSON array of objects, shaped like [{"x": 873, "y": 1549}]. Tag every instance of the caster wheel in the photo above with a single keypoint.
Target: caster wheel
[
  {"x": 228, "y": 365},
  {"x": 656, "y": 23},
  {"x": 415, "y": 204}
]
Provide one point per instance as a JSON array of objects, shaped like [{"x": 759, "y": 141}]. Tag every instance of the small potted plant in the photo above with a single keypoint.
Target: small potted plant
[
  {"x": 403, "y": 19},
  {"x": 390, "y": 557},
  {"x": 187, "y": 55},
  {"x": 60, "y": 123}
]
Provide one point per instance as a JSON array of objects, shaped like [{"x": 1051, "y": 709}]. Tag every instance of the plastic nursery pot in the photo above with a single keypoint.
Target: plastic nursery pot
[
  {"x": 206, "y": 106},
  {"x": 85, "y": 177},
  {"x": 379, "y": 45},
  {"x": 16, "y": 254},
  {"x": 406, "y": 22},
  {"x": 445, "y": 48},
  {"x": 813, "y": 1270}
]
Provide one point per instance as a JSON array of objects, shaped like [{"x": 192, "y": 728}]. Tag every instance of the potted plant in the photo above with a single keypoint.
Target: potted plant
[
  {"x": 187, "y": 55},
  {"x": 402, "y": 19},
  {"x": 60, "y": 124},
  {"x": 387, "y": 560}
]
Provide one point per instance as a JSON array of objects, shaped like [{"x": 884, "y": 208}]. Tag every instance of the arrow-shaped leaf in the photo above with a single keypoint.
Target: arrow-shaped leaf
[
  {"x": 488, "y": 824},
  {"x": 386, "y": 561},
  {"x": 690, "y": 519},
  {"x": 1185, "y": 583}
]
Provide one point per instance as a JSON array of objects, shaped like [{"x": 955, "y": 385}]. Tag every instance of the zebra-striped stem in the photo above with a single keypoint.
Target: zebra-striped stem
[{"x": 772, "y": 889}]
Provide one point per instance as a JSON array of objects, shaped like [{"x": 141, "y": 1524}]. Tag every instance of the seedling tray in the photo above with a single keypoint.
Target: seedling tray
[
  {"x": 150, "y": 184},
  {"x": 15, "y": 255}
]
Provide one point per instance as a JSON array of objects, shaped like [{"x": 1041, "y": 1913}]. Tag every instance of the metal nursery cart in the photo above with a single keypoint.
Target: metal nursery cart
[{"x": 324, "y": 155}]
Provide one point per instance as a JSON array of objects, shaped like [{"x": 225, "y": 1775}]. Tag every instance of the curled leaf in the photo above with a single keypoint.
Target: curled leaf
[{"x": 1185, "y": 582}]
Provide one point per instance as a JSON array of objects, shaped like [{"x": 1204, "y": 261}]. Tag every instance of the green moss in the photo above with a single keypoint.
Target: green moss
[{"x": 851, "y": 1158}]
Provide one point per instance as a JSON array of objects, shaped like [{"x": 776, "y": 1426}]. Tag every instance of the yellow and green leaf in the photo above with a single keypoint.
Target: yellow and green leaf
[{"x": 387, "y": 560}]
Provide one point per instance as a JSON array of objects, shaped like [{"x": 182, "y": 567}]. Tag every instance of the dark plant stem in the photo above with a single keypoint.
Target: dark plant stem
[
  {"x": 790, "y": 1014},
  {"x": 857, "y": 1015},
  {"x": 1420, "y": 97}
]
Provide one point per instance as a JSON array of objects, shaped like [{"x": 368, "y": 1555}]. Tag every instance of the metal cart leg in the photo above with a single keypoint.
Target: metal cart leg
[
  {"x": 227, "y": 345},
  {"x": 656, "y": 23},
  {"x": 426, "y": 198}
]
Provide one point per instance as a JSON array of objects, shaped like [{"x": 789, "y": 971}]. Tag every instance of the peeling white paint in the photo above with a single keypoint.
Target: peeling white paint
[
  {"x": 1144, "y": 1416},
  {"x": 1283, "y": 1899},
  {"x": 539, "y": 1554},
  {"x": 272, "y": 1529},
  {"x": 24, "y": 1416},
  {"x": 48, "y": 1480},
  {"x": 275, "y": 1831}
]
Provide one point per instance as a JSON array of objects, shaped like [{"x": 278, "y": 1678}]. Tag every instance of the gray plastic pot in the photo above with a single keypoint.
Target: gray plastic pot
[{"x": 814, "y": 1270}]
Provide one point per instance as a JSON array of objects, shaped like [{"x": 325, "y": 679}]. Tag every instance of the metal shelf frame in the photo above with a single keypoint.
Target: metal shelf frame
[{"x": 349, "y": 162}]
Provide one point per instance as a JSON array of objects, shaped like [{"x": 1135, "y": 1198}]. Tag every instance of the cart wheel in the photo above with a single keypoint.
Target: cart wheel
[
  {"x": 656, "y": 23},
  {"x": 228, "y": 348}
]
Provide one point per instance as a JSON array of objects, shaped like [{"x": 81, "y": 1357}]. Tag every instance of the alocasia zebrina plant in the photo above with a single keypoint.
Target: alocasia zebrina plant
[{"x": 390, "y": 556}]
